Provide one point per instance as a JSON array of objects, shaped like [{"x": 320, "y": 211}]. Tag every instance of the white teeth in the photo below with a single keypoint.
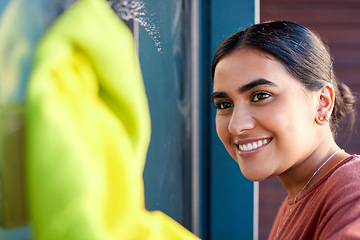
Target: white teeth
[
  {"x": 244, "y": 148},
  {"x": 252, "y": 146}
]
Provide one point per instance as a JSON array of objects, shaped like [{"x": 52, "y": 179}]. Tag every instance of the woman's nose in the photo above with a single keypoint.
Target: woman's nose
[{"x": 241, "y": 120}]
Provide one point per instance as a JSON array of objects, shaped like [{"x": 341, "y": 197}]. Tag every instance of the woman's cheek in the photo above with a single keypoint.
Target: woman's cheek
[{"x": 222, "y": 129}]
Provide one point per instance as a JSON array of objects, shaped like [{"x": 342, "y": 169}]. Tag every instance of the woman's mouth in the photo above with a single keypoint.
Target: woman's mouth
[{"x": 253, "y": 145}]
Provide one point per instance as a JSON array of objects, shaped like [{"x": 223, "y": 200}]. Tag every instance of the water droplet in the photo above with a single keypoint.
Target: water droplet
[{"x": 136, "y": 10}]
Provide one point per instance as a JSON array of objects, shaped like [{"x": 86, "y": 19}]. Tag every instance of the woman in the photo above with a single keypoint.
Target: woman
[{"x": 278, "y": 107}]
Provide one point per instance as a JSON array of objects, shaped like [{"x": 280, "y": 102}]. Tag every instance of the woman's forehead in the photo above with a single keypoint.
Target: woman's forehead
[{"x": 247, "y": 62}]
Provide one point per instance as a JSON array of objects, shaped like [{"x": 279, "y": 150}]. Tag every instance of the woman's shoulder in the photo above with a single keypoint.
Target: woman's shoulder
[
  {"x": 342, "y": 184},
  {"x": 347, "y": 169},
  {"x": 346, "y": 172},
  {"x": 344, "y": 177},
  {"x": 340, "y": 200}
]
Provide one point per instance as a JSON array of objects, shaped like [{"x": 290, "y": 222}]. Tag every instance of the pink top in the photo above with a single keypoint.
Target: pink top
[{"x": 329, "y": 209}]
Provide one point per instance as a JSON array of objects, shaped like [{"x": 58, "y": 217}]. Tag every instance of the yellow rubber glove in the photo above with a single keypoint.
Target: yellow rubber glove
[{"x": 88, "y": 130}]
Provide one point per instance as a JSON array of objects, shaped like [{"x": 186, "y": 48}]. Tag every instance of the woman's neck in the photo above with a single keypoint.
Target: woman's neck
[{"x": 297, "y": 177}]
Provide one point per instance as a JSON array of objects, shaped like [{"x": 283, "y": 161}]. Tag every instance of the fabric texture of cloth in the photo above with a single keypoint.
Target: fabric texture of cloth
[
  {"x": 88, "y": 131},
  {"x": 329, "y": 209}
]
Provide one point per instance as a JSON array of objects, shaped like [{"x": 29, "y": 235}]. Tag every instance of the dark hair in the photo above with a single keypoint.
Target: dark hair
[{"x": 301, "y": 52}]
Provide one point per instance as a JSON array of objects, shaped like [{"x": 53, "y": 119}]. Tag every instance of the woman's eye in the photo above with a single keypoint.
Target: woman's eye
[
  {"x": 223, "y": 105},
  {"x": 258, "y": 96}
]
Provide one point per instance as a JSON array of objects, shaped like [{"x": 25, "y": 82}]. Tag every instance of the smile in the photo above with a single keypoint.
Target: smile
[{"x": 254, "y": 145}]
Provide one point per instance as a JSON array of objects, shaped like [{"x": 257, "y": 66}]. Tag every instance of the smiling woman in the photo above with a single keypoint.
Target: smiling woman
[
  {"x": 254, "y": 110},
  {"x": 278, "y": 106}
]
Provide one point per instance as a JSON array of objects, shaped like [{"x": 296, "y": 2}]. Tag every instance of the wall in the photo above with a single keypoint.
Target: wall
[{"x": 338, "y": 23}]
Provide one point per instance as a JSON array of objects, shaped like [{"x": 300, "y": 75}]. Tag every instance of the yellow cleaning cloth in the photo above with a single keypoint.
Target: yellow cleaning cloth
[{"x": 87, "y": 133}]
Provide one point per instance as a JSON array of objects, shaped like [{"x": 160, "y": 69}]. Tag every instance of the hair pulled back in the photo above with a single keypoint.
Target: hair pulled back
[{"x": 301, "y": 52}]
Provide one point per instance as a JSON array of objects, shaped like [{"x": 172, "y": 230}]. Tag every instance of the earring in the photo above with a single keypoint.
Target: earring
[{"x": 321, "y": 118}]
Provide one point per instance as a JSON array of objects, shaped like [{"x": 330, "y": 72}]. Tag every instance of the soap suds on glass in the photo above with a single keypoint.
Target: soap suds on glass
[{"x": 135, "y": 10}]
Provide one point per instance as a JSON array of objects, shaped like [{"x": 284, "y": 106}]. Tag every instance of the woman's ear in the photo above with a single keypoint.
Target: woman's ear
[{"x": 326, "y": 100}]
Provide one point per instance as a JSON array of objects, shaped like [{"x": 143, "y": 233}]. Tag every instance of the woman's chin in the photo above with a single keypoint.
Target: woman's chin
[{"x": 255, "y": 176}]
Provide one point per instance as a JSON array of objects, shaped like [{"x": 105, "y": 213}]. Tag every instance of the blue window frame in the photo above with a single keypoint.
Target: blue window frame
[{"x": 188, "y": 174}]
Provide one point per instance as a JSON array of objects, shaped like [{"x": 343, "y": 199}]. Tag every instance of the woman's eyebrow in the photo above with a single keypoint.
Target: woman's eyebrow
[
  {"x": 218, "y": 95},
  {"x": 244, "y": 88},
  {"x": 255, "y": 83}
]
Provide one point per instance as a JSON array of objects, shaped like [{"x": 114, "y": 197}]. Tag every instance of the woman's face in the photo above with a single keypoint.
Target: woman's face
[{"x": 265, "y": 117}]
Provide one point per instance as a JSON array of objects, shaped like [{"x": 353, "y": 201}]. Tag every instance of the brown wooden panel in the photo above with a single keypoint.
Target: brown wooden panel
[
  {"x": 312, "y": 12},
  {"x": 338, "y": 23},
  {"x": 346, "y": 59},
  {"x": 317, "y": 16},
  {"x": 271, "y": 196},
  {"x": 351, "y": 77},
  {"x": 346, "y": 38},
  {"x": 323, "y": 2}
]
